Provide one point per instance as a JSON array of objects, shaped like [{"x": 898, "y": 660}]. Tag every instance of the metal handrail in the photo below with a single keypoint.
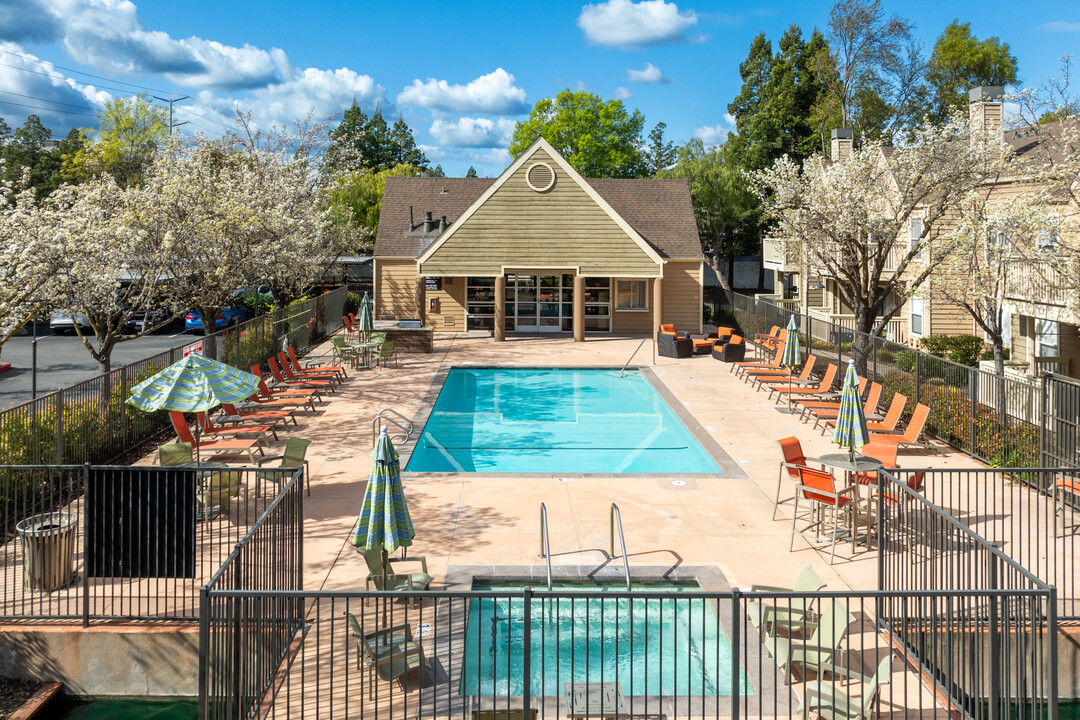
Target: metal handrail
[
  {"x": 614, "y": 516},
  {"x": 623, "y": 371},
  {"x": 407, "y": 428},
  {"x": 545, "y": 542}
]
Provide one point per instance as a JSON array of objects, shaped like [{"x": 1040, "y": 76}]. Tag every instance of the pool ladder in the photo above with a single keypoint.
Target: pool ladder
[
  {"x": 614, "y": 520},
  {"x": 388, "y": 415}
]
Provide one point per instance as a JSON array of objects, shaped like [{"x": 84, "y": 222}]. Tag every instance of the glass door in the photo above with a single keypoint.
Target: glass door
[
  {"x": 549, "y": 303},
  {"x": 527, "y": 319}
]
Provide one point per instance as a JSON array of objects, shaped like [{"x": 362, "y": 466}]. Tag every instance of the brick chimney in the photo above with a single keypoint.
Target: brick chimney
[
  {"x": 986, "y": 111},
  {"x": 842, "y": 144}
]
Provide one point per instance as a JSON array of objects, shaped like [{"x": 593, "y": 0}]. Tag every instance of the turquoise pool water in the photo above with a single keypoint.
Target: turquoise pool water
[
  {"x": 565, "y": 420},
  {"x": 650, "y": 647}
]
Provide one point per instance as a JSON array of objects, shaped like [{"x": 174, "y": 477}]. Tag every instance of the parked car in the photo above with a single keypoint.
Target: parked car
[
  {"x": 62, "y": 322},
  {"x": 147, "y": 319},
  {"x": 231, "y": 315}
]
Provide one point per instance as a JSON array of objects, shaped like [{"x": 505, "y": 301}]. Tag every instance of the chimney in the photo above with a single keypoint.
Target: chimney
[
  {"x": 429, "y": 222},
  {"x": 841, "y": 144},
  {"x": 986, "y": 111},
  {"x": 442, "y": 224}
]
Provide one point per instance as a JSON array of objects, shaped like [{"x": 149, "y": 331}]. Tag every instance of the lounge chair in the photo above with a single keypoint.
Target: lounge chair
[
  {"x": 268, "y": 393},
  {"x": 294, "y": 455},
  {"x": 825, "y": 386},
  {"x": 291, "y": 376},
  {"x": 913, "y": 434},
  {"x": 733, "y": 351},
  {"x": 271, "y": 417},
  {"x": 210, "y": 430},
  {"x": 818, "y": 488},
  {"x": 787, "y": 613},
  {"x": 810, "y": 404},
  {"x": 793, "y": 459},
  {"x": 395, "y": 581},
  {"x": 819, "y": 651},
  {"x": 825, "y": 413},
  {"x": 892, "y": 416},
  {"x": 671, "y": 343},
  {"x": 831, "y": 703},
  {"x": 744, "y": 366},
  {"x": 314, "y": 367},
  {"x": 1066, "y": 495},
  {"x": 760, "y": 338},
  {"x": 390, "y": 652},
  {"x": 280, "y": 380},
  {"x": 505, "y": 714},
  {"x": 211, "y": 446},
  {"x": 780, "y": 375}
]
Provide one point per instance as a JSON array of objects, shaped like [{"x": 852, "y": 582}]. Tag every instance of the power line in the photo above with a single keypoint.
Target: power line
[
  {"x": 54, "y": 102},
  {"x": 53, "y": 77},
  {"x": 47, "y": 109},
  {"x": 80, "y": 72},
  {"x": 205, "y": 117}
]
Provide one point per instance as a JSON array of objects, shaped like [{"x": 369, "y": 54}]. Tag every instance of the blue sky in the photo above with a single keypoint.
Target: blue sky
[{"x": 460, "y": 73}]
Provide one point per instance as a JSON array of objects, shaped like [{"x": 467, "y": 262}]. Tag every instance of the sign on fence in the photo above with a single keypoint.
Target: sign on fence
[{"x": 195, "y": 347}]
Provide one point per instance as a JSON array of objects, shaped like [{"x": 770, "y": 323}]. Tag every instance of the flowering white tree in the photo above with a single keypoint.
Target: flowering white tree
[{"x": 852, "y": 218}]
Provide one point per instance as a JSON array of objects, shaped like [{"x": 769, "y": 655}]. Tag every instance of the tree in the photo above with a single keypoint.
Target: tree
[
  {"x": 748, "y": 148},
  {"x": 599, "y": 139},
  {"x": 361, "y": 142},
  {"x": 26, "y": 159},
  {"x": 852, "y": 218},
  {"x": 659, "y": 155},
  {"x": 873, "y": 73},
  {"x": 436, "y": 171},
  {"x": 130, "y": 131},
  {"x": 404, "y": 147},
  {"x": 471, "y": 172},
  {"x": 959, "y": 62},
  {"x": 355, "y": 200}
]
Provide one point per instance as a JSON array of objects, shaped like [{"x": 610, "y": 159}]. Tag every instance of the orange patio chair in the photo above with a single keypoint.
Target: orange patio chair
[
  {"x": 313, "y": 367},
  {"x": 892, "y": 416},
  {"x": 741, "y": 368},
  {"x": 773, "y": 333},
  {"x": 280, "y": 383},
  {"x": 811, "y": 404},
  {"x": 348, "y": 325},
  {"x": 211, "y": 446},
  {"x": 885, "y": 452},
  {"x": 913, "y": 434},
  {"x": 282, "y": 402},
  {"x": 210, "y": 429},
  {"x": 823, "y": 387},
  {"x": 822, "y": 414},
  {"x": 818, "y": 488},
  {"x": 793, "y": 458},
  {"x": 779, "y": 374},
  {"x": 282, "y": 392},
  {"x": 292, "y": 376},
  {"x": 272, "y": 416}
]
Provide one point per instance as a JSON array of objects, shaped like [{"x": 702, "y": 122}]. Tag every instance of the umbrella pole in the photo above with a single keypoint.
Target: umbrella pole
[{"x": 385, "y": 562}]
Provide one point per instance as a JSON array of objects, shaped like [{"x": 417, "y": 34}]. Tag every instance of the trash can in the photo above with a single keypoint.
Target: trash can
[{"x": 48, "y": 542}]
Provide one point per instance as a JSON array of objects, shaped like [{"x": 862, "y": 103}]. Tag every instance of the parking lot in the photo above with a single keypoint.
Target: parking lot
[{"x": 62, "y": 360}]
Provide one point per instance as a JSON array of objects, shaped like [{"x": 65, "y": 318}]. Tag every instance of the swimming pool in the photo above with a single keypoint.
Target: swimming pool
[
  {"x": 649, "y": 646},
  {"x": 567, "y": 420}
]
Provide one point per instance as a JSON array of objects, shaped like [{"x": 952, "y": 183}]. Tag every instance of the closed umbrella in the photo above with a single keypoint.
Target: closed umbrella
[
  {"x": 792, "y": 355},
  {"x": 851, "y": 422},
  {"x": 365, "y": 323},
  {"x": 384, "y": 521},
  {"x": 194, "y": 384}
]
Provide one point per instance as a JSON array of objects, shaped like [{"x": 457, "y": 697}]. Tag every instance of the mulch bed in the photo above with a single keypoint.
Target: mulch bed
[{"x": 13, "y": 693}]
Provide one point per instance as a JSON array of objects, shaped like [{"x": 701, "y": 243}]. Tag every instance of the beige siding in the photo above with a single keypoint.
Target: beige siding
[
  {"x": 561, "y": 228},
  {"x": 945, "y": 318},
  {"x": 451, "y": 302},
  {"x": 682, "y": 295},
  {"x": 631, "y": 322},
  {"x": 395, "y": 287},
  {"x": 1069, "y": 346}
]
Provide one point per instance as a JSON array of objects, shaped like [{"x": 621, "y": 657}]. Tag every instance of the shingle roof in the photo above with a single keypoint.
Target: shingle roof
[{"x": 659, "y": 210}]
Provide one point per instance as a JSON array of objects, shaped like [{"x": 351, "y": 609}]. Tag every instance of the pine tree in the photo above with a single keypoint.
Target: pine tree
[
  {"x": 404, "y": 146},
  {"x": 659, "y": 154},
  {"x": 471, "y": 172}
]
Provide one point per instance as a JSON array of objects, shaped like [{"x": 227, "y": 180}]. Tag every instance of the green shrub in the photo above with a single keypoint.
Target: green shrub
[
  {"x": 966, "y": 349},
  {"x": 352, "y": 303},
  {"x": 989, "y": 354},
  {"x": 935, "y": 345},
  {"x": 257, "y": 304}
]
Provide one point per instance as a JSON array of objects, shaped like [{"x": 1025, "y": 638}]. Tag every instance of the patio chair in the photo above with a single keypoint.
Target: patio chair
[
  {"x": 817, "y": 653},
  {"x": 280, "y": 381},
  {"x": 818, "y": 488},
  {"x": 387, "y": 352},
  {"x": 211, "y": 446},
  {"x": 913, "y": 434},
  {"x": 825, "y": 386},
  {"x": 733, "y": 351},
  {"x": 292, "y": 456},
  {"x": 505, "y": 714},
  {"x": 348, "y": 325},
  {"x": 831, "y": 703},
  {"x": 395, "y": 581},
  {"x": 174, "y": 454},
  {"x": 217, "y": 489},
  {"x": 793, "y": 459},
  {"x": 270, "y": 416},
  {"x": 266, "y": 392},
  {"x": 823, "y": 414},
  {"x": 885, "y": 452},
  {"x": 780, "y": 375},
  {"x": 1066, "y": 496},
  {"x": 670, "y": 343},
  {"x": 811, "y": 404},
  {"x": 314, "y": 367},
  {"x": 723, "y": 334},
  {"x": 786, "y": 613},
  {"x": 344, "y": 353},
  {"x": 291, "y": 376},
  {"x": 892, "y": 415},
  {"x": 277, "y": 402},
  {"x": 741, "y": 367},
  {"x": 390, "y": 652},
  {"x": 773, "y": 333},
  {"x": 209, "y": 429}
]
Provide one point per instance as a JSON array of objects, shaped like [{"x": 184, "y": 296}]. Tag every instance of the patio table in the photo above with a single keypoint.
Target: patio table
[
  {"x": 367, "y": 348},
  {"x": 858, "y": 464},
  {"x": 595, "y": 699}
]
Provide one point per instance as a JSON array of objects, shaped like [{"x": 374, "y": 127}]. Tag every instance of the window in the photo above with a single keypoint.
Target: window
[
  {"x": 1006, "y": 329},
  {"x": 1047, "y": 240},
  {"x": 480, "y": 303},
  {"x": 916, "y": 235},
  {"x": 915, "y": 309},
  {"x": 1046, "y": 338},
  {"x": 630, "y": 295}
]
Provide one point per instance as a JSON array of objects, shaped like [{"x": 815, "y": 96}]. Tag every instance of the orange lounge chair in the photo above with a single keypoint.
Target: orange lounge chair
[
  {"x": 813, "y": 404},
  {"x": 892, "y": 416},
  {"x": 210, "y": 429},
  {"x": 274, "y": 416},
  {"x": 773, "y": 333},
  {"x": 281, "y": 381},
  {"x": 339, "y": 370},
  {"x": 832, "y": 411},
  {"x": 777, "y": 378},
  {"x": 292, "y": 376},
  {"x": 746, "y": 366},
  {"x": 913, "y": 434},
  {"x": 1066, "y": 495},
  {"x": 770, "y": 374},
  {"x": 281, "y": 401},
  {"x": 211, "y": 446},
  {"x": 822, "y": 388},
  {"x": 770, "y": 343},
  {"x": 282, "y": 392}
]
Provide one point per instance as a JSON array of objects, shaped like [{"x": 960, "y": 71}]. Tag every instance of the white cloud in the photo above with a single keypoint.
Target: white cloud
[
  {"x": 622, "y": 93},
  {"x": 730, "y": 120},
  {"x": 712, "y": 134},
  {"x": 624, "y": 24},
  {"x": 60, "y": 102},
  {"x": 493, "y": 94},
  {"x": 322, "y": 92},
  {"x": 651, "y": 75},
  {"x": 473, "y": 132},
  {"x": 1061, "y": 26},
  {"x": 28, "y": 21},
  {"x": 497, "y": 158}
]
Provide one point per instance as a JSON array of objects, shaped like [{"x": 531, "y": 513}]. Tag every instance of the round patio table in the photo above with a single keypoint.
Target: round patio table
[{"x": 858, "y": 464}]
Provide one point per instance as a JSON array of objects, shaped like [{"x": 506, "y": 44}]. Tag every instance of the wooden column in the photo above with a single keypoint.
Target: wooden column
[
  {"x": 657, "y": 303},
  {"x": 421, "y": 299},
  {"x": 579, "y": 308},
  {"x": 500, "y": 308}
]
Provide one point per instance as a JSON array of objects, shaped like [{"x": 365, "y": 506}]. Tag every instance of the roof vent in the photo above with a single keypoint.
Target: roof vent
[{"x": 540, "y": 177}]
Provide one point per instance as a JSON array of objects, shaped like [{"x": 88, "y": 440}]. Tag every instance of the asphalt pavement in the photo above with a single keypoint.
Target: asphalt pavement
[{"x": 62, "y": 360}]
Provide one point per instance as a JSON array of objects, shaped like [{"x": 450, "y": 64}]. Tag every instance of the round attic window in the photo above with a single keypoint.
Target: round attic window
[{"x": 540, "y": 177}]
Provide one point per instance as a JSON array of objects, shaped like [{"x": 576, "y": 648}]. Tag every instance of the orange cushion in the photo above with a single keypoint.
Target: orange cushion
[
  {"x": 699, "y": 343},
  {"x": 735, "y": 340}
]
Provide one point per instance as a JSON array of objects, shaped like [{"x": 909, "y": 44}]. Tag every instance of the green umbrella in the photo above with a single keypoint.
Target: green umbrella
[
  {"x": 850, "y": 421},
  {"x": 384, "y": 521},
  {"x": 194, "y": 384},
  {"x": 792, "y": 354},
  {"x": 365, "y": 323}
]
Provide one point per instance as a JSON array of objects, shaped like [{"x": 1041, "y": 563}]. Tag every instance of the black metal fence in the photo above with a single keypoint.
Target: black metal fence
[
  {"x": 1004, "y": 421},
  {"x": 90, "y": 422},
  {"x": 97, "y": 542}
]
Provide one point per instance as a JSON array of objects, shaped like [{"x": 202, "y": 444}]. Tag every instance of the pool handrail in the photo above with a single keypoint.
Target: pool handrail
[
  {"x": 406, "y": 426},
  {"x": 623, "y": 371},
  {"x": 615, "y": 516},
  {"x": 545, "y": 542}
]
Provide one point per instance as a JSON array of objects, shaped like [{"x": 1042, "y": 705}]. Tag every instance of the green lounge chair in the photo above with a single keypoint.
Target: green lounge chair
[
  {"x": 390, "y": 652},
  {"x": 395, "y": 581},
  {"x": 830, "y": 703},
  {"x": 819, "y": 652},
  {"x": 785, "y": 613},
  {"x": 293, "y": 456}
]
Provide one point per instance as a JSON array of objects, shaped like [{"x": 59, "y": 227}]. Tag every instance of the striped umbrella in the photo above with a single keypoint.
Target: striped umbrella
[
  {"x": 851, "y": 422},
  {"x": 194, "y": 384},
  {"x": 365, "y": 323},
  {"x": 792, "y": 354}
]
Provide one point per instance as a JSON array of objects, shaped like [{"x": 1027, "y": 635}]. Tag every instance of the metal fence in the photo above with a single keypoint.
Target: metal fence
[
  {"x": 1036, "y": 425},
  {"x": 90, "y": 422},
  {"x": 96, "y": 542}
]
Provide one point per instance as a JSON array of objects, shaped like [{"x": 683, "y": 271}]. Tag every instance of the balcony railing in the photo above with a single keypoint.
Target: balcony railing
[
  {"x": 896, "y": 330},
  {"x": 1043, "y": 281},
  {"x": 780, "y": 254}
]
